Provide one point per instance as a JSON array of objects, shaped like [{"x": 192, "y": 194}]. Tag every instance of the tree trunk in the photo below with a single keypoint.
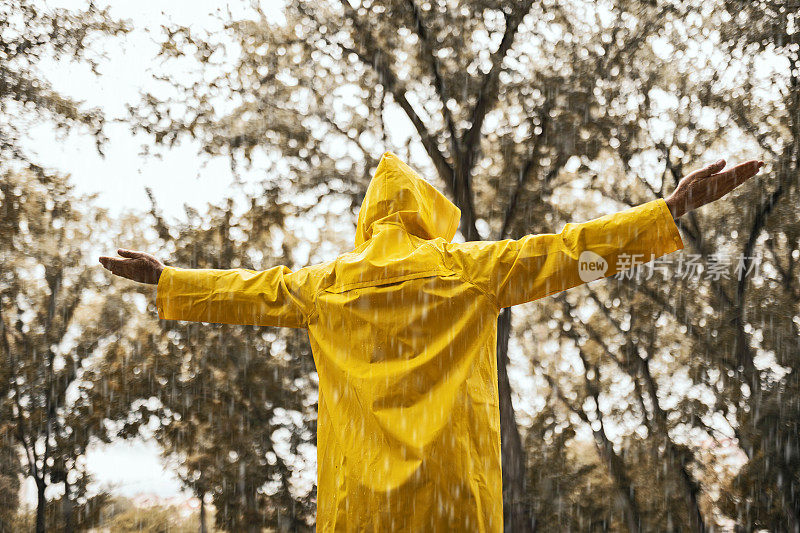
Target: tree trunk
[
  {"x": 41, "y": 507},
  {"x": 251, "y": 511},
  {"x": 66, "y": 508},
  {"x": 517, "y": 515},
  {"x": 203, "y": 528},
  {"x": 679, "y": 459},
  {"x": 625, "y": 490}
]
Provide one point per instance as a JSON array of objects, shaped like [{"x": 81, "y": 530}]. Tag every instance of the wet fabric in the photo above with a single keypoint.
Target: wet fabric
[{"x": 403, "y": 332}]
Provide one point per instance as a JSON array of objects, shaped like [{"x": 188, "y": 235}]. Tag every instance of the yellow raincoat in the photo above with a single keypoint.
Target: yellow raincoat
[{"x": 403, "y": 334}]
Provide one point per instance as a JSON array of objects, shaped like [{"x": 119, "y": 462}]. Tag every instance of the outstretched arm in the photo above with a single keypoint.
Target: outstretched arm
[
  {"x": 512, "y": 272},
  {"x": 273, "y": 297}
]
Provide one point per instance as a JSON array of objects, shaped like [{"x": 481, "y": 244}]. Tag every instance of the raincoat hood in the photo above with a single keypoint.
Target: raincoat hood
[{"x": 398, "y": 195}]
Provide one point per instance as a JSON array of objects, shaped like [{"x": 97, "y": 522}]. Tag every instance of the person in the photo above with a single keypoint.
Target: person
[{"x": 403, "y": 333}]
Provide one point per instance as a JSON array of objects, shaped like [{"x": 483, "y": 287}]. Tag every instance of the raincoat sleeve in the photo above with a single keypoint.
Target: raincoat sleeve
[
  {"x": 274, "y": 297},
  {"x": 517, "y": 271}
]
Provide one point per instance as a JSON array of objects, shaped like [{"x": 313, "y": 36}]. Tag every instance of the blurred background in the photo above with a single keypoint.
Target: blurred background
[{"x": 244, "y": 134}]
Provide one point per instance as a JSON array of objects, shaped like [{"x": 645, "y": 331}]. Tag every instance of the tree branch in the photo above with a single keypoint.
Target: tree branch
[
  {"x": 429, "y": 56},
  {"x": 30, "y": 451},
  {"x": 487, "y": 96},
  {"x": 531, "y": 163},
  {"x": 376, "y": 58}
]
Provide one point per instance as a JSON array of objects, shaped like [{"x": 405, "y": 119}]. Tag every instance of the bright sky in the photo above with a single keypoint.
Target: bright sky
[{"x": 178, "y": 176}]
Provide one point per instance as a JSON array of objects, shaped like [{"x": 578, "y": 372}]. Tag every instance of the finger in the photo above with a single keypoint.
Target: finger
[
  {"x": 129, "y": 253},
  {"x": 708, "y": 170},
  {"x": 109, "y": 262},
  {"x": 742, "y": 172},
  {"x": 118, "y": 267},
  {"x": 724, "y": 182}
]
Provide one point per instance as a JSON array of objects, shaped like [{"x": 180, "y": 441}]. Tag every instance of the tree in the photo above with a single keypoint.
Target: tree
[
  {"x": 51, "y": 321},
  {"x": 28, "y": 34},
  {"x": 33, "y": 395},
  {"x": 10, "y": 470},
  {"x": 728, "y": 322},
  {"x": 749, "y": 314},
  {"x": 764, "y": 309},
  {"x": 567, "y": 484}
]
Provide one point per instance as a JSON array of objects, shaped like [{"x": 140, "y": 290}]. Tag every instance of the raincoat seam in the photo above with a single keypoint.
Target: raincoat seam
[
  {"x": 313, "y": 313},
  {"x": 491, "y": 298},
  {"x": 463, "y": 277},
  {"x": 302, "y": 307},
  {"x": 450, "y": 231},
  {"x": 383, "y": 281}
]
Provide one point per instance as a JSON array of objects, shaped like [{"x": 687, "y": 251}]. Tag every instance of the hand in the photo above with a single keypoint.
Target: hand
[
  {"x": 708, "y": 184},
  {"x": 138, "y": 266}
]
